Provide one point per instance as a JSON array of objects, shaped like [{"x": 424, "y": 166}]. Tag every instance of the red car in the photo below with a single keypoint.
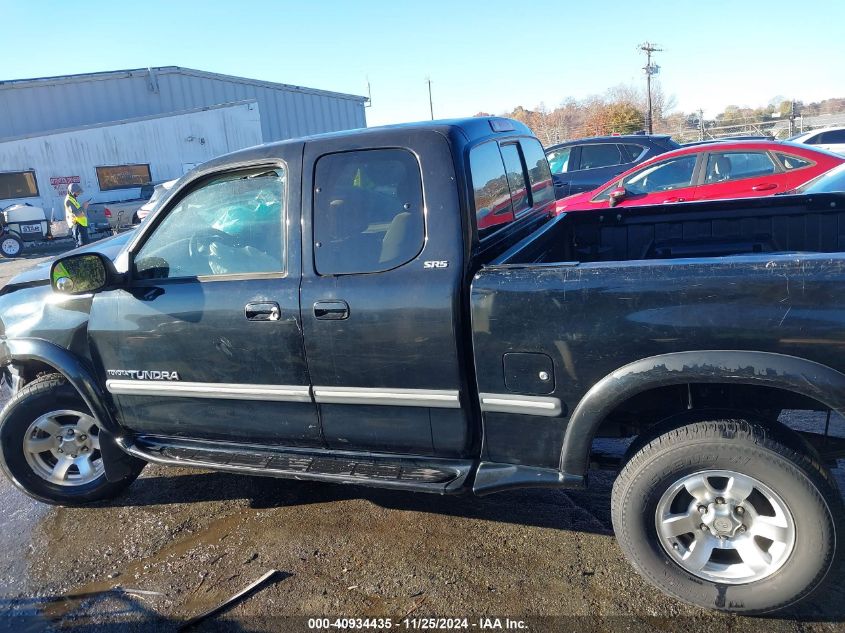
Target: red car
[{"x": 736, "y": 169}]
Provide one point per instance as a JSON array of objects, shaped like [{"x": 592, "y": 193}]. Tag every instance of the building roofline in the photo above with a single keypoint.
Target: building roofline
[
  {"x": 149, "y": 117},
  {"x": 112, "y": 74}
]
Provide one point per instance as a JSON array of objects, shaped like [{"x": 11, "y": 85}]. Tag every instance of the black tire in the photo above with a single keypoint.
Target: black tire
[
  {"x": 777, "y": 459},
  {"x": 44, "y": 395},
  {"x": 10, "y": 245}
]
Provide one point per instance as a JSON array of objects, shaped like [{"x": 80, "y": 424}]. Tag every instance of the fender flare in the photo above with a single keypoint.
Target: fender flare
[
  {"x": 766, "y": 369},
  {"x": 73, "y": 368}
]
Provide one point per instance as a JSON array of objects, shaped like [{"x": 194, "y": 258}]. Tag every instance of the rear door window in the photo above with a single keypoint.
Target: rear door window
[
  {"x": 631, "y": 152},
  {"x": 724, "y": 166},
  {"x": 368, "y": 211},
  {"x": 598, "y": 155}
]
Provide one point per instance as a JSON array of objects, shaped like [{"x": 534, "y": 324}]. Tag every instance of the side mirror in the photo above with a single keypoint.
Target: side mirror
[
  {"x": 616, "y": 196},
  {"x": 82, "y": 273}
]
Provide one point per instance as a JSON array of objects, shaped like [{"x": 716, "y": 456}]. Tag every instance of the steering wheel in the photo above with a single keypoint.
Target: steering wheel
[{"x": 200, "y": 242}]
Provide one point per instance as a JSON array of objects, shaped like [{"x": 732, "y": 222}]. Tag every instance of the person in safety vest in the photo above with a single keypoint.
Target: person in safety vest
[{"x": 75, "y": 214}]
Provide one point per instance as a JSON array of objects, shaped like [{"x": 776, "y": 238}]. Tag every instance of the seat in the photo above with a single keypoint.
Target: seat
[
  {"x": 719, "y": 169},
  {"x": 397, "y": 240}
]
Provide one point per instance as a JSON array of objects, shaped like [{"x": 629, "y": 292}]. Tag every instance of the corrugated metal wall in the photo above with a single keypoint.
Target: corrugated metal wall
[
  {"x": 168, "y": 144},
  {"x": 40, "y": 105}
]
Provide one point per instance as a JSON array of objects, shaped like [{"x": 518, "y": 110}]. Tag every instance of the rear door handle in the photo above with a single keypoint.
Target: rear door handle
[
  {"x": 764, "y": 187},
  {"x": 671, "y": 200},
  {"x": 331, "y": 310},
  {"x": 263, "y": 311}
]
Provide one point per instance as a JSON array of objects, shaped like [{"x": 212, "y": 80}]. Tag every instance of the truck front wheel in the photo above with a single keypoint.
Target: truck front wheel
[
  {"x": 49, "y": 446},
  {"x": 729, "y": 515}
]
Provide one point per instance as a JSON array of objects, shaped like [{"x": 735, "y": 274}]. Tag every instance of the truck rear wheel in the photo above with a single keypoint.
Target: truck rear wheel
[
  {"x": 729, "y": 515},
  {"x": 49, "y": 446}
]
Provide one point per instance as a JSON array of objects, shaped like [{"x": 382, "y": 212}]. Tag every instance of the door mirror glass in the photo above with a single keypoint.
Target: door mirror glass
[
  {"x": 616, "y": 196},
  {"x": 78, "y": 274}
]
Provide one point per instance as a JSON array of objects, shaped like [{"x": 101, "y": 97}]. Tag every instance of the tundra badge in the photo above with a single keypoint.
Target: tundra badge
[{"x": 142, "y": 374}]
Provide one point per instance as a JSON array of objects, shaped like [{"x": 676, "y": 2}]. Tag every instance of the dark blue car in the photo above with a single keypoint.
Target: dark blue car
[{"x": 587, "y": 163}]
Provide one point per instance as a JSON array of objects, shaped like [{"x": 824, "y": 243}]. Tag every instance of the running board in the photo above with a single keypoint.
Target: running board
[{"x": 419, "y": 474}]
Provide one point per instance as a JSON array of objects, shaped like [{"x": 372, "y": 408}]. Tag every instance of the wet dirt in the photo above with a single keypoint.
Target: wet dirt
[{"x": 180, "y": 542}]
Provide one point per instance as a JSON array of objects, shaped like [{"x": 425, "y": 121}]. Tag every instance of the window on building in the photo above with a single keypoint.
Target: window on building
[
  {"x": 368, "y": 211},
  {"x": 18, "y": 184},
  {"x": 230, "y": 225},
  {"x": 113, "y": 177}
]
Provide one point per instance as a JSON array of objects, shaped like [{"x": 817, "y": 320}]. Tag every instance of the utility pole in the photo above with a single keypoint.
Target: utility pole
[
  {"x": 430, "y": 102},
  {"x": 700, "y": 124},
  {"x": 792, "y": 113},
  {"x": 650, "y": 69}
]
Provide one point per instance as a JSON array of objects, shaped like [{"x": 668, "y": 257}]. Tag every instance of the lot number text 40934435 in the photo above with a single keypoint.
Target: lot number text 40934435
[{"x": 427, "y": 624}]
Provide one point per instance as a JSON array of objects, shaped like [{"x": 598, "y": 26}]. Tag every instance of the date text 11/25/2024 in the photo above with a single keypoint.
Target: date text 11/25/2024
[{"x": 437, "y": 624}]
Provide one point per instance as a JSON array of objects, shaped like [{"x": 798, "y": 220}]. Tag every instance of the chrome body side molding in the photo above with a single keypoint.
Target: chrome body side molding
[
  {"x": 435, "y": 398},
  {"x": 526, "y": 405},
  {"x": 220, "y": 391}
]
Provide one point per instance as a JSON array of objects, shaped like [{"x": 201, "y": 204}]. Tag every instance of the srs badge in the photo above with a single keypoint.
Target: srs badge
[{"x": 143, "y": 374}]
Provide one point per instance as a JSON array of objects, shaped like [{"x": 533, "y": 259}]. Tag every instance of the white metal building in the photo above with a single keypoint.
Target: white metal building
[
  {"x": 111, "y": 130},
  {"x": 30, "y": 106},
  {"x": 112, "y": 160}
]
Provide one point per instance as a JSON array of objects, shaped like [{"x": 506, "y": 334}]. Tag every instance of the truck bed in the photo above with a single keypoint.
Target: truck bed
[
  {"x": 700, "y": 229},
  {"x": 595, "y": 293}
]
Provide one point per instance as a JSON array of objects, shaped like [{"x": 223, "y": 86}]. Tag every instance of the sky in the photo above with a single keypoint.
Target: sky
[{"x": 480, "y": 56}]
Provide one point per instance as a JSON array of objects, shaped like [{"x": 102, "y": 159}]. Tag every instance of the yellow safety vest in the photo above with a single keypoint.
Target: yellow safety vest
[{"x": 81, "y": 220}]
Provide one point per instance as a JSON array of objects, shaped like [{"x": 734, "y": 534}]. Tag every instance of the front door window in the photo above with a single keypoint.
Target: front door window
[{"x": 230, "y": 225}]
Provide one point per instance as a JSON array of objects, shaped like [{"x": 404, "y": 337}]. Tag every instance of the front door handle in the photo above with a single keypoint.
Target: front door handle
[
  {"x": 263, "y": 311},
  {"x": 331, "y": 310},
  {"x": 764, "y": 187}
]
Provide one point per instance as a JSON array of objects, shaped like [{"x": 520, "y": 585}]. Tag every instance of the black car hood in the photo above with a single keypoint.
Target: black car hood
[{"x": 110, "y": 247}]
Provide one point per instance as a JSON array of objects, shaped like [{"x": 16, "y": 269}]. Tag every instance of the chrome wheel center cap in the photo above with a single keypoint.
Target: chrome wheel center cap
[
  {"x": 722, "y": 520},
  {"x": 73, "y": 444}
]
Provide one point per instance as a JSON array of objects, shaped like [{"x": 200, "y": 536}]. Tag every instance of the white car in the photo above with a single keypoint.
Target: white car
[
  {"x": 150, "y": 205},
  {"x": 829, "y": 138}
]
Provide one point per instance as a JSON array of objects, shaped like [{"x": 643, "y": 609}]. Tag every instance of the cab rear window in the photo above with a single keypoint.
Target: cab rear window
[
  {"x": 508, "y": 180},
  {"x": 539, "y": 174}
]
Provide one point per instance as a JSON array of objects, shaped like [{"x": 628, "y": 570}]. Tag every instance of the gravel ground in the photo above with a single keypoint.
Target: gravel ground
[{"x": 180, "y": 541}]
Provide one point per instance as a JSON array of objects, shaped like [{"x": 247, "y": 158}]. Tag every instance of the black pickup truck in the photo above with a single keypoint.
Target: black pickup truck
[{"x": 399, "y": 307}]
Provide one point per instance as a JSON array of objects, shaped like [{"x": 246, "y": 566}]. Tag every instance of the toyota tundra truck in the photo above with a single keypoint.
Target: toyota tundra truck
[{"x": 400, "y": 307}]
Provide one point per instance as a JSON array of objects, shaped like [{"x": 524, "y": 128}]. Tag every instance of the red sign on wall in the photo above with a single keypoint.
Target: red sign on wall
[{"x": 60, "y": 183}]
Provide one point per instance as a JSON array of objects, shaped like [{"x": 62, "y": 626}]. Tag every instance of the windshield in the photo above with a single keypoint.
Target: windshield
[{"x": 834, "y": 180}]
